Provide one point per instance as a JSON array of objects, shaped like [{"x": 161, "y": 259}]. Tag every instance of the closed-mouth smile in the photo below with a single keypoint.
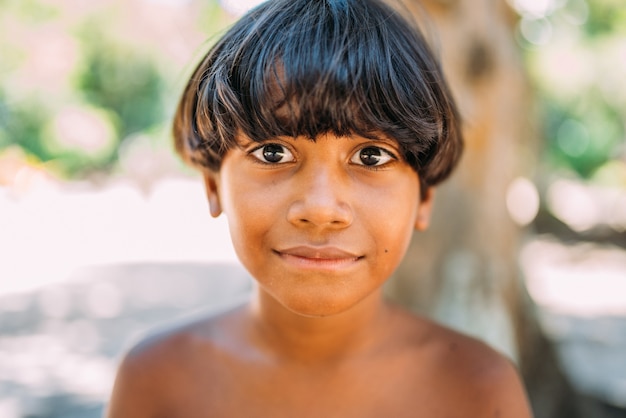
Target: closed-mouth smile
[{"x": 318, "y": 257}]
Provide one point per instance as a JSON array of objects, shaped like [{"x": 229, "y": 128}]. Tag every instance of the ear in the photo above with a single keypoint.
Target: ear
[
  {"x": 425, "y": 209},
  {"x": 212, "y": 192}
]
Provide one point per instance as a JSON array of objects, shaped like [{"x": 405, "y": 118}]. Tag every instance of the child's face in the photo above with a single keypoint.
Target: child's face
[{"x": 320, "y": 225}]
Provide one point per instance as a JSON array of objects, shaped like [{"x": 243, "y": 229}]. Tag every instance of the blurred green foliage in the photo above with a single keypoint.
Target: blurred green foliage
[
  {"x": 578, "y": 71},
  {"x": 606, "y": 17},
  {"x": 75, "y": 113},
  {"x": 22, "y": 124},
  {"x": 120, "y": 79},
  {"x": 79, "y": 80}
]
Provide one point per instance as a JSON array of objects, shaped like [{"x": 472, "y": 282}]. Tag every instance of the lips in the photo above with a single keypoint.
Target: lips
[
  {"x": 318, "y": 257},
  {"x": 321, "y": 253}
]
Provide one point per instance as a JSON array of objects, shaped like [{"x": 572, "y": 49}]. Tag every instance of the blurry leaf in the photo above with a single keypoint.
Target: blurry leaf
[
  {"x": 122, "y": 80},
  {"x": 22, "y": 124},
  {"x": 606, "y": 17},
  {"x": 584, "y": 135},
  {"x": 30, "y": 10},
  {"x": 582, "y": 101}
]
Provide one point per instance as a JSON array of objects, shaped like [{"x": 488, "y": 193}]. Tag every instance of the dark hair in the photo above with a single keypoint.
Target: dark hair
[{"x": 310, "y": 67}]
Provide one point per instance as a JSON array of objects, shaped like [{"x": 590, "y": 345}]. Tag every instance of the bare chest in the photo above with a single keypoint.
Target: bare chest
[{"x": 344, "y": 391}]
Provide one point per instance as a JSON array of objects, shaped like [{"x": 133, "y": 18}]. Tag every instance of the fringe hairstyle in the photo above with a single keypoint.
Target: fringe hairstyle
[{"x": 303, "y": 68}]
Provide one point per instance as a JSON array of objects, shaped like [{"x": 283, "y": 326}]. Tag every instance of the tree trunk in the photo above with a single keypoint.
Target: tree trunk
[{"x": 464, "y": 271}]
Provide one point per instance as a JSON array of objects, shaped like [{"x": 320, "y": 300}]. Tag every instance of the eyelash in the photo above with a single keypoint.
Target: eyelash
[
  {"x": 384, "y": 152},
  {"x": 268, "y": 163}
]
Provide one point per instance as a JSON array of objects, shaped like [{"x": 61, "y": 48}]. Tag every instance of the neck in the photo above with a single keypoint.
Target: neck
[{"x": 307, "y": 339}]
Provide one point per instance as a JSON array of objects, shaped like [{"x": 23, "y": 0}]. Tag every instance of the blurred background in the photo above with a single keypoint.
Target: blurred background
[{"x": 104, "y": 233}]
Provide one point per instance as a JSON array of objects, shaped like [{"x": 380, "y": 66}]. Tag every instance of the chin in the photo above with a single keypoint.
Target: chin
[
  {"x": 316, "y": 312},
  {"x": 320, "y": 307}
]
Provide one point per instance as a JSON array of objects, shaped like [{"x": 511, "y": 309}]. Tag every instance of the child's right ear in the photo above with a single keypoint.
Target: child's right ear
[{"x": 211, "y": 182}]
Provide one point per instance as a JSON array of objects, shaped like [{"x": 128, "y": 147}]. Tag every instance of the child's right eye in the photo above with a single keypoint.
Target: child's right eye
[{"x": 272, "y": 154}]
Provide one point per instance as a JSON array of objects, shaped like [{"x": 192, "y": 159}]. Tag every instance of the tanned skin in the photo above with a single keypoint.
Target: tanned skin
[{"x": 320, "y": 226}]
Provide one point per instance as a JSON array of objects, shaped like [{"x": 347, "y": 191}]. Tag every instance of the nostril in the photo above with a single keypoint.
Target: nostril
[{"x": 320, "y": 209}]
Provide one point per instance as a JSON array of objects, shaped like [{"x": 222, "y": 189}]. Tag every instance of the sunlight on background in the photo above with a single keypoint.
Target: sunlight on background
[
  {"x": 522, "y": 201},
  {"x": 98, "y": 215},
  {"x": 55, "y": 228},
  {"x": 574, "y": 262},
  {"x": 59, "y": 96},
  {"x": 239, "y": 7}
]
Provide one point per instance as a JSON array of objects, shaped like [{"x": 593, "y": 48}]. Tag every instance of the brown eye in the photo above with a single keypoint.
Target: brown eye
[
  {"x": 371, "y": 156},
  {"x": 273, "y": 154}
]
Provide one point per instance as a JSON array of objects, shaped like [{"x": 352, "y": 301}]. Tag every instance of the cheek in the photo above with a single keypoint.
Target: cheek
[
  {"x": 393, "y": 217},
  {"x": 241, "y": 195},
  {"x": 251, "y": 207}
]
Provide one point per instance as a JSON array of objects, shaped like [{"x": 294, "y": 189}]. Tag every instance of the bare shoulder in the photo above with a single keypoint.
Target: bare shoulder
[
  {"x": 160, "y": 367},
  {"x": 476, "y": 377}
]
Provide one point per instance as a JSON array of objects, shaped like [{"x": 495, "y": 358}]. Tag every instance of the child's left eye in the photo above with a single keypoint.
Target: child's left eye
[
  {"x": 372, "y": 156},
  {"x": 272, "y": 154}
]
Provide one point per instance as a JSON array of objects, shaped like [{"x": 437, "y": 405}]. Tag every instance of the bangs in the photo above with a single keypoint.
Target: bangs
[
  {"x": 299, "y": 105},
  {"x": 304, "y": 68}
]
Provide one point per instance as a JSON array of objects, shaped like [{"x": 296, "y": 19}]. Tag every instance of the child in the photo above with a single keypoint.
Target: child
[{"x": 321, "y": 128}]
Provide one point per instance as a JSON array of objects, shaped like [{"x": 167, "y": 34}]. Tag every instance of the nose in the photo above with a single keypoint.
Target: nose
[{"x": 321, "y": 200}]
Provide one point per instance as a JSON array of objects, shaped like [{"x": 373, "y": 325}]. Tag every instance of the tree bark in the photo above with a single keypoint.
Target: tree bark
[{"x": 464, "y": 271}]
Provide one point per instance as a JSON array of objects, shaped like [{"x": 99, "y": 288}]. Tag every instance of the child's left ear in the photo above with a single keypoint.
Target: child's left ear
[
  {"x": 425, "y": 209},
  {"x": 211, "y": 181}
]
